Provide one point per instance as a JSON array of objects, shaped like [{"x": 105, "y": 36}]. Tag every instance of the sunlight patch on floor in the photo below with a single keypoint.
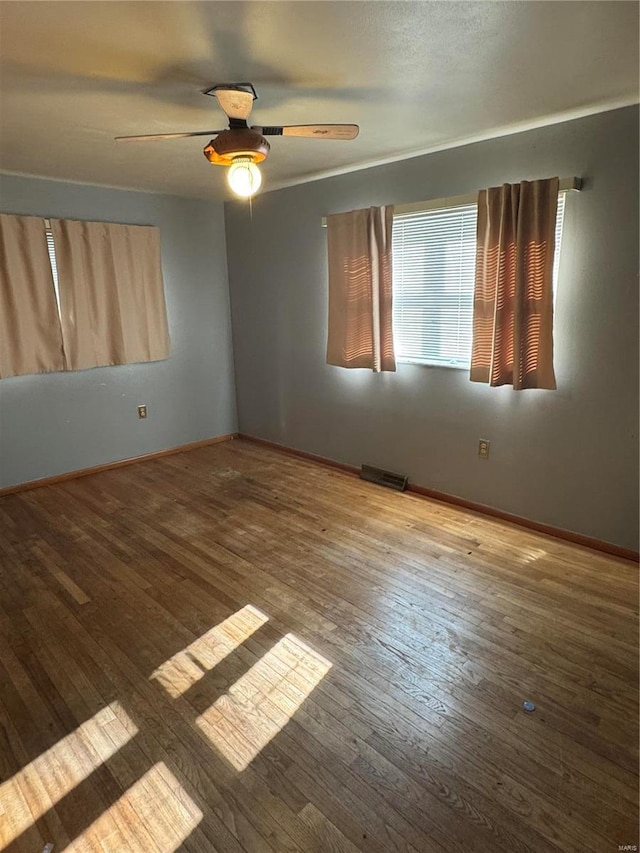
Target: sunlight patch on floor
[
  {"x": 260, "y": 703},
  {"x": 155, "y": 813},
  {"x": 184, "y": 669},
  {"x": 530, "y": 555},
  {"x": 43, "y": 782}
]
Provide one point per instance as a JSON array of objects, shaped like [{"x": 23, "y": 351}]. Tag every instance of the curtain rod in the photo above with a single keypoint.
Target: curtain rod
[
  {"x": 47, "y": 221},
  {"x": 566, "y": 184}
]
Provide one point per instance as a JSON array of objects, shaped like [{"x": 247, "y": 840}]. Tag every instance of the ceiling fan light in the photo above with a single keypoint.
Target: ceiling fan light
[{"x": 244, "y": 177}]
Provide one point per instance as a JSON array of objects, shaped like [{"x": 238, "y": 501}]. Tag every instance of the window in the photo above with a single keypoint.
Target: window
[
  {"x": 90, "y": 295},
  {"x": 433, "y": 276},
  {"x": 434, "y": 254},
  {"x": 556, "y": 256},
  {"x": 52, "y": 260}
]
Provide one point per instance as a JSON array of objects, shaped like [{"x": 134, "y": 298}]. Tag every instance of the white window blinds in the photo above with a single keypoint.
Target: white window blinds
[
  {"x": 433, "y": 276},
  {"x": 556, "y": 257},
  {"x": 52, "y": 260},
  {"x": 434, "y": 256}
]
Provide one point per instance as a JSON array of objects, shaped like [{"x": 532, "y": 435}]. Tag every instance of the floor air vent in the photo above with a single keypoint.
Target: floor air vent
[{"x": 383, "y": 478}]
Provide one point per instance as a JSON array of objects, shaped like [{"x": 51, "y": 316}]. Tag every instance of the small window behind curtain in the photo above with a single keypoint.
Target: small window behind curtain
[
  {"x": 434, "y": 259},
  {"x": 52, "y": 260}
]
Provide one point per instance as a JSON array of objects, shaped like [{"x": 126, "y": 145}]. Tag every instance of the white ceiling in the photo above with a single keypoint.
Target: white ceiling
[{"x": 416, "y": 76}]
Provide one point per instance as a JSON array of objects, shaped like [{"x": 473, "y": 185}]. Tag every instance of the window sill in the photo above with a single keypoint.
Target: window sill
[{"x": 419, "y": 363}]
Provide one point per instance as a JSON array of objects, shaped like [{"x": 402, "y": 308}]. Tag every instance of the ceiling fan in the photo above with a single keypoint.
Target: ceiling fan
[{"x": 242, "y": 147}]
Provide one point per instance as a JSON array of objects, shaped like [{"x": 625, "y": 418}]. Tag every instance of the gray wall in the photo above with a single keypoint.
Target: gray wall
[
  {"x": 568, "y": 458},
  {"x": 58, "y": 422}
]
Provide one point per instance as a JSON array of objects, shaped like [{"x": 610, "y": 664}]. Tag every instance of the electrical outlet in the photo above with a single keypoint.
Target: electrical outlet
[
  {"x": 483, "y": 448},
  {"x": 142, "y": 412}
]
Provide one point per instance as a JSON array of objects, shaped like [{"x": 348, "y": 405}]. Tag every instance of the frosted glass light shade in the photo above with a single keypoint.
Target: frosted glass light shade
[{"x": 244, "y": 177}]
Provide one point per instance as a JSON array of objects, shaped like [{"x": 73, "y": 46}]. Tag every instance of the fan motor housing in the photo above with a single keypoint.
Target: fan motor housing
[{"x": 237, "y": 142}]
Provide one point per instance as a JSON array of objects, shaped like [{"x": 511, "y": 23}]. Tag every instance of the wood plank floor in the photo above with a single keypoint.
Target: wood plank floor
[{"x": 235, "y": 650}]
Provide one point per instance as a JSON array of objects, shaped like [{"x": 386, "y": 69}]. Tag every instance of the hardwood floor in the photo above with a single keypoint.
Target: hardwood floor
[{"x": 235, "y": 650}]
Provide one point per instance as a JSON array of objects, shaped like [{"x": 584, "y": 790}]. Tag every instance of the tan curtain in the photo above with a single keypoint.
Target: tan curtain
[
  {"x": 360, "y": 296},
  {"x": 30, "y": 336},
  {"x": 513, "y": 303},
  {"x": 111, "y": 293}
]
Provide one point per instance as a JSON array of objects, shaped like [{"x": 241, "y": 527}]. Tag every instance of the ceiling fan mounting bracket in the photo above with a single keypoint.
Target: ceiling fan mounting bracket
[{"x": 234, "y": 87}]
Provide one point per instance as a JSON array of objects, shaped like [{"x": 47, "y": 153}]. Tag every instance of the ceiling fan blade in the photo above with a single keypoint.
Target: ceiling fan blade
[
  {"x": 235, "y": 103},
  {"x": 147, "y": 136},
  {"x": 317, "y": 131}
]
